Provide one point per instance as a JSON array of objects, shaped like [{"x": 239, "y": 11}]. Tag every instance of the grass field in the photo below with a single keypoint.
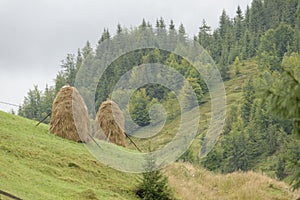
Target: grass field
[{"x": 37, "y": 165}]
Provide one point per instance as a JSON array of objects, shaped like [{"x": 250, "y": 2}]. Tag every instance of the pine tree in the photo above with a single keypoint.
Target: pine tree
[
  {"x": 69, "y": 68},
  {"x": 237, "y": 66},
  {"x": 282, "y": 93},
  {"x": 248, "y": 96},
  {"x": 138, "y": 107},
  {"x": 87, "y": 50},
  {"x": 256, "y": 22},
  {"x": 171, "y": 26},
  {"x": 182, "y": 33},
  {"x": 105, "y": 35},
  {"x": 31, "y": 108},
  {"x": 60, "y": 81},
  {"x": 119, "y": 29},
  {"x": 204, "y": 37},
  {"x": 238, "y": 24},
  {"x": 231, "y": 119},
  {"x": 154, "y": 185}
]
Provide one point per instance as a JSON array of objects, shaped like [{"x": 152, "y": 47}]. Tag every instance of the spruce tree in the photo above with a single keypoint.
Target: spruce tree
[{"x": 153, "y": 185}]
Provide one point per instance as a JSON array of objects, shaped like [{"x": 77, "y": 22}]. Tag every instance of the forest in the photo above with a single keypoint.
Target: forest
[{"x": 261, "y": 131}]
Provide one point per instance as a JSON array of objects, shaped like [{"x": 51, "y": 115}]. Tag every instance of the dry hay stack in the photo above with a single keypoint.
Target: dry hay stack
[
  {"x": 109, "y": 123},
  {"x": 63, "y": 116}
]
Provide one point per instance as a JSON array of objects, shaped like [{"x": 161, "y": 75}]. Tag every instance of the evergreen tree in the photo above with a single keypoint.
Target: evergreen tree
[
  {"x": 248, "y": 98},
  {"x": 87, "y": 50},
  {"x": 280, "y": 169},
  {"x": 236, "y": 151},
  {"x": 69, "y": 68},
  {"x": 204, "y": 37},
  {"x": 171, "y": 26},
  {"x": 237, "y": 66},
  {"x": 138, "y": 107},
  {"x": 154, "y": 185},
  {"x": 256, "y": 22},
  {"x": 224, "y": 69},
  {"x": 282, "y": 93},
  {"x": 31, "y": 108},
  {"x": 119, "y": 29},
  {"x": 182, "y": 33},
  {"x": 231, "y": 119},
  {"x": 60, "y": 81},
  {"x": 186, "y": 96},
  {"x": 46, "y": 102},
  {"x": 105, "y": 35},
  {"x": 238, "y": 24}
]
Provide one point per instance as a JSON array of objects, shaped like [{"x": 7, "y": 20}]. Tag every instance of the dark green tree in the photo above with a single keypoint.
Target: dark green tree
[
  {"x": 69, "y": 68},
  {"x": 31, "y": 107},
  {"x": 280, "y": 169},
  {"x": 282, "y": 95},
  {"x": 153, "y": 185},
  {"x": 204, "y": 37},
  {"x": 248, "y": 98},
  {"x": 138, "y": 107}
]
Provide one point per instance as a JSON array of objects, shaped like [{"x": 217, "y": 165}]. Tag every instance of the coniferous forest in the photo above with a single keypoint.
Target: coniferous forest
[{"x": 262, "y": 128}]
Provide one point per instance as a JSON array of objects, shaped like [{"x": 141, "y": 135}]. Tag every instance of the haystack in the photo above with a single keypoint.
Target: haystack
[
  {"x": 109, "y": 123},
  {"x": 68, "y": 106}
]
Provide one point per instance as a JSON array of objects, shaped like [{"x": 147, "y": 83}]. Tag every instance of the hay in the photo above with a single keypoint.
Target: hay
[
  {"x": 68, "y": 107},
  {"x": 109, "y": 123}
]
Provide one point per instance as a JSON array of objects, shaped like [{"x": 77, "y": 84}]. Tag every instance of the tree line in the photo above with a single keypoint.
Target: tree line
[{"x": 258, "y": 129}]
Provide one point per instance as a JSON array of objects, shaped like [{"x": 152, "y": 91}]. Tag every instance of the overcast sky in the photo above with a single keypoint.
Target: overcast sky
[{"x": 35, "y": 35}]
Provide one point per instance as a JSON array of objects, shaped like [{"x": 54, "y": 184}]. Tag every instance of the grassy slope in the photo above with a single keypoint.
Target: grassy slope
[{"x": 37, "y": 165}]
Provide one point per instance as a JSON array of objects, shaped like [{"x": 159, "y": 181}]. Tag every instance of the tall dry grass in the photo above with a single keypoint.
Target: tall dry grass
[{"x": 195, "y": 183}]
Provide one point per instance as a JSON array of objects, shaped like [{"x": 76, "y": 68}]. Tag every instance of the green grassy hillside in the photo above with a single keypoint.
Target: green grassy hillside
[{"x": 37, "y": 165}]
